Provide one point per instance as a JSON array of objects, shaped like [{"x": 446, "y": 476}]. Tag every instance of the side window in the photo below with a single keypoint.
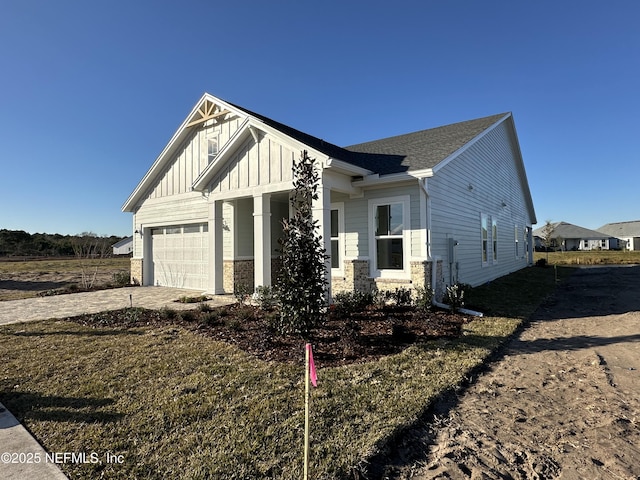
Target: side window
[
  {"x": 212, "y": 148},
  {"x": 335, "y": 239},
  {"x": 389, "y": 226},
  {"x": 494, "y": 238},
  {"x": 484, "y": 226}
]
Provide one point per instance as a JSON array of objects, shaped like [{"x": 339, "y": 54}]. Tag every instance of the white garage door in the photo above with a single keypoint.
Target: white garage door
[{"x": 181, "y": 256}]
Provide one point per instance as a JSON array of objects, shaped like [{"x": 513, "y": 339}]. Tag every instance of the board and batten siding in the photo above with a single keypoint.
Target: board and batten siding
[
  {"x": 253, "y": 165},
  {"x": 479, "y": 181},
  {"x": 190, "y": 158}
]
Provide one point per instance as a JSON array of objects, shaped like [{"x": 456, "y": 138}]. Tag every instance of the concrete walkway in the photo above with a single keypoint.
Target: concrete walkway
[
  {"x": 21, "y": 456},
  {"x": 60, "y": 306}
]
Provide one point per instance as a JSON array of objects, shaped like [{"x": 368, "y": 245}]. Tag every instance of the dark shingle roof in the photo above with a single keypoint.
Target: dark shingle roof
[
  {"x": 622, "y": 229},
  {"x": 412, "y": 151},
  {"x": 569, "y": 230},
  {"x": 426, "y": 148}
]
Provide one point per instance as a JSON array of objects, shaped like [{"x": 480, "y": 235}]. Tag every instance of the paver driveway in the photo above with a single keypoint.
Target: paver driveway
[{"x": 60, "y": 306}]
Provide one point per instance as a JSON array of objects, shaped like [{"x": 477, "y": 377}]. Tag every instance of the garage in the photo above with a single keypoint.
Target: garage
[{"x": 180, "y": 256}]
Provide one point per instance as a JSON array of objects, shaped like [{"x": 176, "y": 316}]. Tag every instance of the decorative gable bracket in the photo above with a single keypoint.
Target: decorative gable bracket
[{"x": 207, "y": 111}]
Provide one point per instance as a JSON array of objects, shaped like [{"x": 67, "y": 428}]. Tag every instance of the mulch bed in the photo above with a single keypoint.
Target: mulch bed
[{"x": 356, "y": 338}]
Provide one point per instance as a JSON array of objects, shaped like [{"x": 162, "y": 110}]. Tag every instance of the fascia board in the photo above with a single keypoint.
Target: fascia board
[
  {"x": 176, "y": 139},
  {"x": 523, "y": 174},
  {"x": 374, "y": 180},
  {"x": 347, "y": 168}
]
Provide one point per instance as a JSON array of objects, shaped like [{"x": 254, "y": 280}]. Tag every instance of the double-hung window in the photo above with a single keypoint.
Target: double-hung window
[
  {"x": 484, "y": 226},
  {"x": 337, "y": 237},
  {"x": 389, "y": 218},
  {"x": 494, "y": 238}
]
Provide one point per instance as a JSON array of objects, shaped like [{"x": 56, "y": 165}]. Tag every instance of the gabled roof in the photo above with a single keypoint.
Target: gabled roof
[
  {"x": 414, "y": 153},
  {"x": 568, "y": 230},
  {"x": 425, "y": 148},
  {"x": 622, "y": 229}
]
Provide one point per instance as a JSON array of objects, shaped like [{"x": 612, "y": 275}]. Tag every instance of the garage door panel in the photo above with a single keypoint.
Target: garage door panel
[{"x": 180, "y": 256}]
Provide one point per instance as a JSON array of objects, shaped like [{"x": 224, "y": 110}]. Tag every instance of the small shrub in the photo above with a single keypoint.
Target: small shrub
[
  {"x": 348, "y": 303},
  {"x": 198, "y": 299},
  {"x": 167, "y": 313},
  {"x": 541, "y": 262},
  {"x": 401, "y": 296},
  {"x": 121, "y": 278},
  {"x": 188, "y": 316},
  {"x": 242, "y": 293},
  {"x": 132, "y": 314},
  {"x": 233, "y": 323},
  {"x": 204, "y": 308},
  {"x": 266, "y": 297},
  {"x": 211, "y": 317},
  {"x": 454, "y": 296},
  {"x": 424, "y": 297}
]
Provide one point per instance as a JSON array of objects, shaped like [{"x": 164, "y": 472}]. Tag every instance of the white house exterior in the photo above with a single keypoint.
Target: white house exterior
[
  {"x": 569, "y": 237},
  {"x": 123, "y": 247},
  {"x": 445, "y": 205},
  {"x": 628, "y": 233}
]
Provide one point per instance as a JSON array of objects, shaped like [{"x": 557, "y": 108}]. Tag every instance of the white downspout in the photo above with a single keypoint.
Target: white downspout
[{"x": 434, "y": 260}]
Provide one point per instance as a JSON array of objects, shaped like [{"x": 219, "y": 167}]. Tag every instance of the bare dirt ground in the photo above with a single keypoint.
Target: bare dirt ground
[
  {"x": 562, "y": 402},
  {"x": 16, "y": 283}
]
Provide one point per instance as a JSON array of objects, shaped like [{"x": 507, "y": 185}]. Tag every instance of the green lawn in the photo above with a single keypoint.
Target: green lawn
[{"x": 175, "y": 404}]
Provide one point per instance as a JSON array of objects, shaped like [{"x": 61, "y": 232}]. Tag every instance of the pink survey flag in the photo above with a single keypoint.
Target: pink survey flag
[{"x": 312, "y": 367}]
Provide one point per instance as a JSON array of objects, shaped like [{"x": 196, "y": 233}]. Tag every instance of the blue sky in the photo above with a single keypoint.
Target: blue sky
[{"x": 91, "y": 92}]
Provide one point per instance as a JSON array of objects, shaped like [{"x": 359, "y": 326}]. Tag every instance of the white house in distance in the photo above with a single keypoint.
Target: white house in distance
[
  {"x": 627, "y": 232},
  {"x": 123, "y": 247},
  {"x": 569, "y": 237},
  {"x": 207, "y": 215}
]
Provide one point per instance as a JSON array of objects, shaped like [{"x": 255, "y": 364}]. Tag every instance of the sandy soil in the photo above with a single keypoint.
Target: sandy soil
[{"x": 563, "y": 401}]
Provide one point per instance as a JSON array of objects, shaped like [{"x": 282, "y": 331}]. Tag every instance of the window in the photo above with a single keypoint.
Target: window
[
  {"x": 517, "y": 240},
  {"x": 212, "y": 148},
  {"x": 389, "y": 236},
  {"x": 494, "y": 238},
  {"x": 335, "y": 240},
  {"x": 484, "y": 221},
  {"x": 389, "y": 226},
  {"x": 603, "y": 243}
]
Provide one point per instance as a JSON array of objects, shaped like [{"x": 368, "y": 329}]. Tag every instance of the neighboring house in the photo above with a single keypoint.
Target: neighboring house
[
  {"x": 123, "y": 247},
  {"x": 208, "y": 213},
  {"x": 627, "y": 232},
  {"x": 566, "y": 236}
]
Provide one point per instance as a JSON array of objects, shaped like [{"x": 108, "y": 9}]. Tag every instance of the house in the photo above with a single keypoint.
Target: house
[
  {"x": 627, "y": 232},
  {"x": 434, "y": 207},
  {"x": 123, "y": 247},
  {"x": 566, "y": 236}
]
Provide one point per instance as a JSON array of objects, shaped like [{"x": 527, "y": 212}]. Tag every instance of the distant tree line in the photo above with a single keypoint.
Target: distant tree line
[{"x": 21, "y": 243}]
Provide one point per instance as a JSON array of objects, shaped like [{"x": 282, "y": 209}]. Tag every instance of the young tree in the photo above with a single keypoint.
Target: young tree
[
  {"x": 301, "y": 284},
  {"x": 91, "y": 252},
  {"x": 547, "y": 236}
]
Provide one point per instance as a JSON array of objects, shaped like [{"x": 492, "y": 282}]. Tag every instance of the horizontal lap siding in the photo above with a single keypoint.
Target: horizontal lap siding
[
  {"x": 489, "y": 166},
  {"x": 176, "y": 210},
  {"x": 356, "y": 212}
]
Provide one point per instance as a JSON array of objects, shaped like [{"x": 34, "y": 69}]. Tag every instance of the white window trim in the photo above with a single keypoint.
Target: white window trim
[
  {"x": 405, "y": 273},
  {"x": 339, "y": 272},
  {"x": 484, "y": 250}
]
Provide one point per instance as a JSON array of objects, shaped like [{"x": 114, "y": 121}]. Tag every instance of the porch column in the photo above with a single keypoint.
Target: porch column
[
  {"x": 262, "y": 240},
  {"x": 322, "y": 213},
  {"x": 215, "y": 248}
]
